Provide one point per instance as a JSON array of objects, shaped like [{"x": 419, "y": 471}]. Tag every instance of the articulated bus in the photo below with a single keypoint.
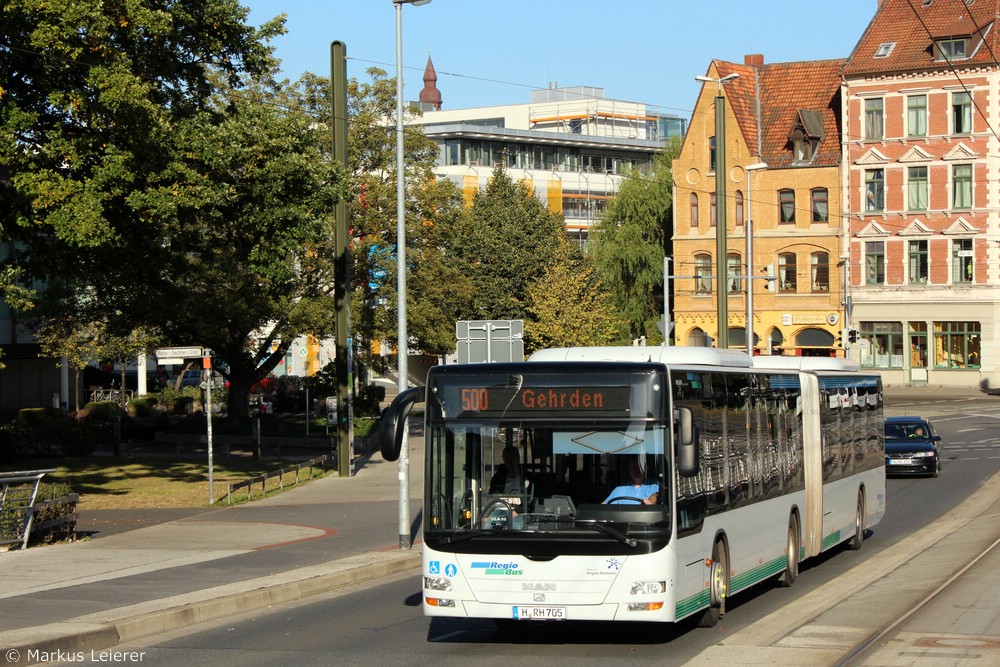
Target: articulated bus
[{"x": 751, "y": 466}]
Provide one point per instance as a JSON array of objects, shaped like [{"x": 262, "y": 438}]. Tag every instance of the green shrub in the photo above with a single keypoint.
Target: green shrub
[
  {"x": 367, "y": 402},
  {"x": 365, "y": 426},
  {"x": 145, "y": 406},
  {"x": 48, "y": 432},
  {"x": 103, "y": 411}
]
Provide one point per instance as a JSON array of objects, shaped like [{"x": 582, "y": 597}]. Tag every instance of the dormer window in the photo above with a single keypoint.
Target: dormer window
[
  {"x": 884, "y": 49},
  {"x": 806, "y": 134},
  {"x": 952, "y": 48}
]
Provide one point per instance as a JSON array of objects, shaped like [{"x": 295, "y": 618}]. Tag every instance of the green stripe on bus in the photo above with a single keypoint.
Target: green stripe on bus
[
  {"x": 692, "y": 603},
  {"x": 759, "y": 573},
  {"x": 830, "y": 540}
]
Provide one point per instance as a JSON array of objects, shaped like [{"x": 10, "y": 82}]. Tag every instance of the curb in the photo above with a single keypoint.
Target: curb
[{"x": 104, "y": 630}]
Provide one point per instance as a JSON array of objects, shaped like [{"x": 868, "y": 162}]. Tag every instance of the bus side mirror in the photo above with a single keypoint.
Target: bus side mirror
[
  {"x": 393, "y": 423},
  {"x": 687, "y": 443}
]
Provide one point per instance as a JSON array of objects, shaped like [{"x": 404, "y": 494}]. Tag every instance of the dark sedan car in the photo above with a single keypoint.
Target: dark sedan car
[{"x": 911, "y": 447}]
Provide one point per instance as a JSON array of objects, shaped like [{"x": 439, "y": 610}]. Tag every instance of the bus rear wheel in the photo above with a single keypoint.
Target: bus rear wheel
[
  {"x": 792, "y": 554},
  {"x": 859, "y": 524},
  {"x": 718, "y": 586}
]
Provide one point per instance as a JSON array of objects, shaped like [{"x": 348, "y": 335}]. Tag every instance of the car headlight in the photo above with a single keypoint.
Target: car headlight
[{"x": 923, "y": 455}]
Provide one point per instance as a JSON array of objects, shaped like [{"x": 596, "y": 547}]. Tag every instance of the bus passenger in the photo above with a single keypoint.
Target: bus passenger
[{"x": 639, "y": 488}]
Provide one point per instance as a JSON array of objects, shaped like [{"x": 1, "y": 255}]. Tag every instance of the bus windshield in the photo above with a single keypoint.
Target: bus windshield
[{"x": 539, "y": 452}]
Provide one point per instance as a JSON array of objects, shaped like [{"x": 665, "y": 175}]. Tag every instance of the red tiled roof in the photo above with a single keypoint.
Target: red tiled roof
[
  {"x": 914, "y": 25},
  {"x": 782, "y": 90}
]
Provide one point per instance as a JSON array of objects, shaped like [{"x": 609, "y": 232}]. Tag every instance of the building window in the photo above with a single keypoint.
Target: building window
[
  {"x": 885, "y": 344},
  {"x": 820, "y": 266},
  {"x": 918, "y": 344},
  {"x": 694, "y": 210},
  {"x": 957, "y": 345},
  {"x": 712, "y": 210},
  {"x": 739, "y": 207},
  {"x": 962, "y": 269},
  {"x": 874, "y": 189},
  {"x": 874, "y": 262},
  {"x": 873, "y": 119},
  {"x": 734, "y": 273},
  {"x": 916, "y": 254},
  {"x": 916, "y": 192},
  {"x": 711, "y": 154},
  {"x": 961, "y": 113},
  {"x": 820, "y": 205},
  {"x": 884, "y": 49},
  {"x": 702, "y": 274},
  {"x": 786, "y": 272},
  {"x": 952, "y": 49},
  {"x": 916, "y": 115},
  {"x": 961, "y": 182},
  {"x": 786, "y": 202}
]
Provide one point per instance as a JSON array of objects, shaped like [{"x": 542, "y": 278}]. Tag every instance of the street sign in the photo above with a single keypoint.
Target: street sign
[{"x": 179, "y": 353}]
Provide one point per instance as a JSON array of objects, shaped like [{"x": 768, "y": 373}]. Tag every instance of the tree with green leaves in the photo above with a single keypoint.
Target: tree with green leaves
[
  {"x": 509, "y": 238},
  {"x": 569, "y": 306},
  {"x": 629, "y": 243}
]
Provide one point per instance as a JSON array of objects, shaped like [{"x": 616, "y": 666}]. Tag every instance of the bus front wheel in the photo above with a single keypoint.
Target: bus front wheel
[{"x": 718, "y": 586}]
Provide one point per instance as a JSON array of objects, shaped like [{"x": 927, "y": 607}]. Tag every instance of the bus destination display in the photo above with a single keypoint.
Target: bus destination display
[{"x": 499, "y": 400}]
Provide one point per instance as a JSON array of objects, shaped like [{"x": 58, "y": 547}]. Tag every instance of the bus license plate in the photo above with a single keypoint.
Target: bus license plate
[{"x": 539, "y": 613}]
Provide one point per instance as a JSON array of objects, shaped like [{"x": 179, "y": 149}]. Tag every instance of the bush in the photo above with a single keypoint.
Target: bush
[
  {"x": 365, "y": 426},
  {"x": 367, "y": 402},
  {"x": 103, "y": 411},
  {"x": 48, "y": 432},
  {"x": 145, "y": 406}
]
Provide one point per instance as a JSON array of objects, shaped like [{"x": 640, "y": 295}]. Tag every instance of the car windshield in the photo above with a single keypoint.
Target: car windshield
[{"x": 906, "y": 431}]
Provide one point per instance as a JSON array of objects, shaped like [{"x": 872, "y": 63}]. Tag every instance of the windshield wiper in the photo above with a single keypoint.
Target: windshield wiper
[
  {"x": 468, "y": 535},
  {"x": 607, "y": 530}
]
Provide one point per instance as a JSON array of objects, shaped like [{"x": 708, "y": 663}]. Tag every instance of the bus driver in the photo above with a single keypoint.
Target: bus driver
[{"x": 639, "y": 488}]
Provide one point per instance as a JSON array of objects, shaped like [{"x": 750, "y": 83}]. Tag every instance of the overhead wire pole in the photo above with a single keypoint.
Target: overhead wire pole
[
  {"x": 721, "y": 259},
  {"x": 342, "y": 269}
]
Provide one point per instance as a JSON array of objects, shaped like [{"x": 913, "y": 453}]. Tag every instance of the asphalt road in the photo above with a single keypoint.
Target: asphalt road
[{"x": 383, "y": 624}]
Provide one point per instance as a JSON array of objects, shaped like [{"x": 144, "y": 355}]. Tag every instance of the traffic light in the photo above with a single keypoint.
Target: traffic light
[
  {"x": 771, "y": 280},
  {"x": 852, "y": 335},
  {"x": 841, "y": 335}
]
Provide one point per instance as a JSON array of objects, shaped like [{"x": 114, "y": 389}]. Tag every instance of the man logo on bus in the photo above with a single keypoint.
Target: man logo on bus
[{"x": 450, "y": 569}]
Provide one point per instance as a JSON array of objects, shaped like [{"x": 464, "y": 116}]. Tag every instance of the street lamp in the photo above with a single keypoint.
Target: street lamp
[
  {"x": 749, "y": 231},
  {"x": 402, "y": 345},
  {"x": 720, "y": 208}
]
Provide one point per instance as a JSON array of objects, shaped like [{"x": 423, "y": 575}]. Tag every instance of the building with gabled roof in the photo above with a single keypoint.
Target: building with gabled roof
[
  {"x": 783, "y": 121},
  {"x": 921, "y": 165}
]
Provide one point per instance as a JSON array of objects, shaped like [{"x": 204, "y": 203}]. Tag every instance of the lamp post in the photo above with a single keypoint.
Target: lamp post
[
  {"x": 749, "y": 231},
  {"x": 720, "y": 208},
  {"x": 402, "y": 345}
]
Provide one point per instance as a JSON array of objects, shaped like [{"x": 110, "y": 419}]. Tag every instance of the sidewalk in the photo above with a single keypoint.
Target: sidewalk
[{"x": 93, "y": 594}]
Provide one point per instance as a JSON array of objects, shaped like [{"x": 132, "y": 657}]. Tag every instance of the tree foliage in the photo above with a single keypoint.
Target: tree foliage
[
  {"x": 509, "y": 239},
  {"x": 569, "y": 306},
  {"x": 159, "y": 177},
  {"x": 631, "y": 240}
]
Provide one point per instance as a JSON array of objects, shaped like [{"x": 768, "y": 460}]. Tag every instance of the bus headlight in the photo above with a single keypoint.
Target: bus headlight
[
  {"x": 648, "y": 587},
  {"x": 437, "y": 584},
  {"x": 645, "y": 606}
]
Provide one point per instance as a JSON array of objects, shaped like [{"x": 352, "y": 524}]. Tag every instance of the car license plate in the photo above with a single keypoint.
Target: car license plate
[
  {"x": 539, "y": 613},
  {"x": 900, "y": 462}
]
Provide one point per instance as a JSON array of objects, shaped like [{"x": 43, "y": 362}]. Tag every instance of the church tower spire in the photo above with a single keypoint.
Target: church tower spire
[{"x": 430, "y": 94}]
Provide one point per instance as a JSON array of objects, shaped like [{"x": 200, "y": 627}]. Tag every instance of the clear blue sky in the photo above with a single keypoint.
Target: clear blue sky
[{"x": 492, "y": 52}]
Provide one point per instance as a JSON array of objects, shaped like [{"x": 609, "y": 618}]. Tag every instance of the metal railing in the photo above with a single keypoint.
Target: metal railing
[
  {"x": 18, "y": 491},
  {"x": 277, "y": 478}
]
